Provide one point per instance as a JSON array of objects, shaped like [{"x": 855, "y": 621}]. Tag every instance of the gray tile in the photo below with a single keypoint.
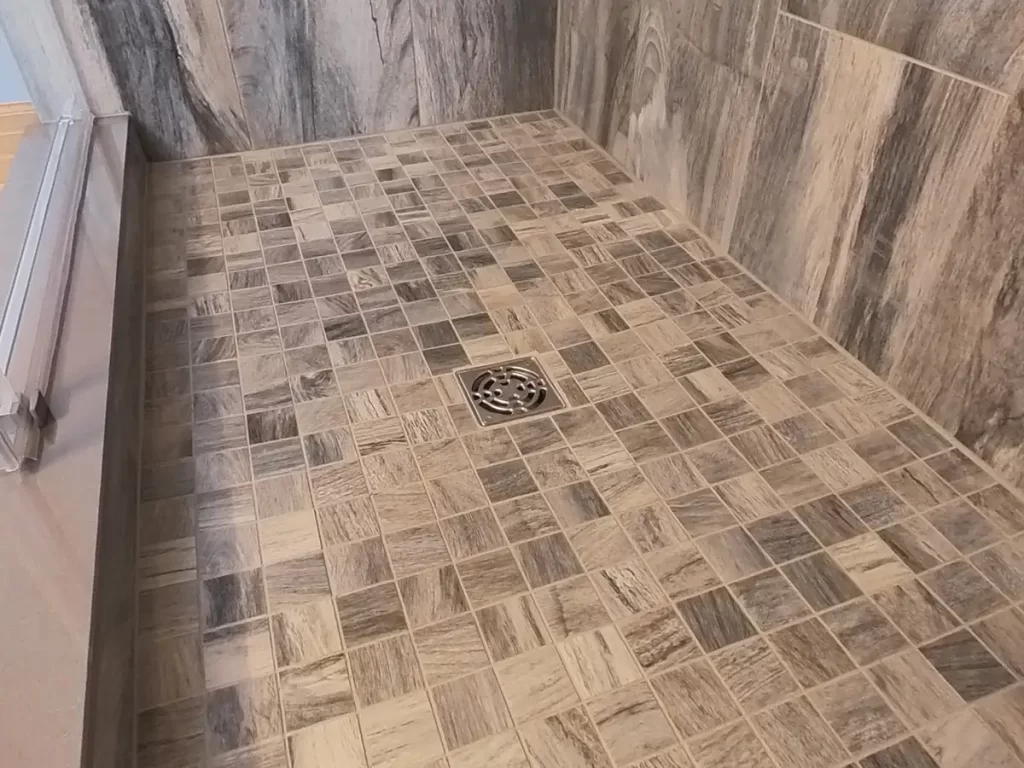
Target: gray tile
[
  {"x": 966, "y": 665},
  {"x": 716, "y": 620}
]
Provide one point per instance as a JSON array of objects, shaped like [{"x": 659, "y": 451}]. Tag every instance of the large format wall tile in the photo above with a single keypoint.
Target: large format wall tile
[
  {"x": 173, "y": 70},
  {"x": 862, "y": 168},
  {"x": 212, "y": 76},
  {"x": 268, "y": 39},
  {"x": 483, "y": 57},
  {"x": 322, "y": 69},
  {"x": 979, "y": 39},
  {"x": 694, "y": 101},
  {"x": 964, "y": 361},
  {"x": 596, "y": 62}
]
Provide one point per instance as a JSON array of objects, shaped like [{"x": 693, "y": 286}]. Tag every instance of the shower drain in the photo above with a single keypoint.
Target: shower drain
[{"x": 509, "y": 390}]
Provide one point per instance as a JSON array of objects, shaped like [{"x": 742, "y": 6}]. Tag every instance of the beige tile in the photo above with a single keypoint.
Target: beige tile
[
  {"x": 628, "y": 588},
  {"x": 754, "y": 674},
  {"x": 1002, "y": 713},
  {"x": 432, "y": 595},
  {"x": 870, "y": 563},
  {"x": 794, "y": 482},
  {"x": 839, "y": 466},
  {"x": 390, "y": 469},
  {"x": 491, "y": 577},
  {"x": 631, "y": 723},
  {"x": 682, "y": 571},
  {"x": 598, "y": 661},
  {"x": 512, "y": 627},
  {"x": 296, "y": 582},
  {"x": 357, "y": 565},
  {"x": 547, "y": 560},
  {"x": 169, "y": 669},
  {"x": 417, "y": 549},
  {"x": 384, "y": 670},
  {"x": 289, "y": 536},
  {"x": 460, "y": 492},
  {"x": 227, "y": 549},
  {"x": 733, "y": 554},
  {"x": 242, "y": 715},
  {"x": 749, "y": 497},
  {"x": 327, "y": 744},
  {"x": 694, "y": 699},
  {"x": 915, "y": 611},
  {"x": 472, "y": 533},
  {"x": 734, "y": 745},
  {"x": 536, "y": 684},
  {"x": 555, "y": 468},
  {"x": 913, "y": 687},
  {"x": 601, "y": 543},
  {"x": 797, "y": 735},
  {"x": 571, "y": 606},
  {"x": 347, "y": 521},
  {"x": 442, "y": 457},
  {"x": 269, "y": 753},
  {"x": 450, "y": 648},
  {"x": 316, "y": 692},
  {"x": 864, "y": 631},
  {"x": 857, "y": 713},
  {"x": 606, "y": 454},
  {"x": 371, "y": 614},
  {"x": 501, "y": 751},
  {"x": 470, "y": 708},
  {"x": 305, "y": 633},
  {"x": 337, "y": 483},
  {"x": 811, "y": 652},
  {"x": 404, "y": 506},
  {"x": 567, "y": 739},
  {"x": 237, "y": 652},
  {"x": 282, "y": 494},
  {"x": 965, "y": 740},
  {"x": 626, "y": 489},
  {"x": 526, "y": 517},
  {"x": 401, "y": 733}
]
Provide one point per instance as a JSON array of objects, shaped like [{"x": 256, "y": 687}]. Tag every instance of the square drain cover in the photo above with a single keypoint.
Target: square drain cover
[{"x": 510, "y": 390}]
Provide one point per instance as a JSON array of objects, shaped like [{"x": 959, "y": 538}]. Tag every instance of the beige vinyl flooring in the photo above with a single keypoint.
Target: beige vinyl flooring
[
  {"x": 14, "y": 119},
  {"x": 732, "y": 549}
]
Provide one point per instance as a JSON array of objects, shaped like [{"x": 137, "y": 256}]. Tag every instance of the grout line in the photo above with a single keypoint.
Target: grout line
[
  {"x": 275, "y": 674},
  {"x": 880, "y": 383},
  {"x": 571, "y": 448},
  {"x": 895, "y": 54}
]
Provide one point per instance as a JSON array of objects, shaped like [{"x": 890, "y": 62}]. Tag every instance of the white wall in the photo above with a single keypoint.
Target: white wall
[{"x": 12, "y": 87}]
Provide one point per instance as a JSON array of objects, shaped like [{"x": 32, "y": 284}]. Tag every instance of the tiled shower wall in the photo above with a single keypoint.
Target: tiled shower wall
[
  {"x": 865, "y": 159},
  {"x": 206, "y": 77}
]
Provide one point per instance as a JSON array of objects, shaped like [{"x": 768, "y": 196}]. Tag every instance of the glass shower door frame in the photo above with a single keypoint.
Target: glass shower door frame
[{"x": 39, "y": 209}]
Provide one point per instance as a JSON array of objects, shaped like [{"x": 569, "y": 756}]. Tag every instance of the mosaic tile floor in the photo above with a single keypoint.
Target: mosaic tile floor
[{"x": 732, "y": 549}]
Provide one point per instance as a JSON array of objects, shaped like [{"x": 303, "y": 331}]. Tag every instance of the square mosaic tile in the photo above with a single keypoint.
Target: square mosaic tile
[{"x": 730, "y": 546}]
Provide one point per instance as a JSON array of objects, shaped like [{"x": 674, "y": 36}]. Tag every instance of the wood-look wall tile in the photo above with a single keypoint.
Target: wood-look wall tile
[
  {"x": 172, "y": 66},
  {"x": 322, "y": 70},
  {"x": 978, "y": 40},
  {"x": 972, "y": 393},
  {"x": 899, "y": 147},
  {"x": 596, "y": 58},
  {"x": 452, "y": 38},
  {"x": 694, "y": 103}
]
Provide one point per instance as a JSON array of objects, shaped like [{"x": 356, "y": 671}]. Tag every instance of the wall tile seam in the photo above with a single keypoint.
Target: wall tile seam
[{"x": 902, "y": 56}]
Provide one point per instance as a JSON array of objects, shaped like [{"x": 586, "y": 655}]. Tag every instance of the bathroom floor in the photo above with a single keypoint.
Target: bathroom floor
[{"x": 731, "y": 547}]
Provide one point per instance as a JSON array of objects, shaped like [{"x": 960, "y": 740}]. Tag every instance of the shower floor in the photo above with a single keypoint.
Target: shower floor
[{"x": 733, "y": 547}]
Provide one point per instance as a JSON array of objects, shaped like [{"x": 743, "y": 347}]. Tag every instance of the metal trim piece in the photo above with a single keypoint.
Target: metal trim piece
[{"x": 30, "y": 323}]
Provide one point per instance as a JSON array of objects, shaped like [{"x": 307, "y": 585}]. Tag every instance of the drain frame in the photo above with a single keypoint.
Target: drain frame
[{"x": 551, "y": 399}]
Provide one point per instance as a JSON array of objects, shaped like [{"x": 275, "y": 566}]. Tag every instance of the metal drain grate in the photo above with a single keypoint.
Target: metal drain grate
[{"x": 508, "y": 391}]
